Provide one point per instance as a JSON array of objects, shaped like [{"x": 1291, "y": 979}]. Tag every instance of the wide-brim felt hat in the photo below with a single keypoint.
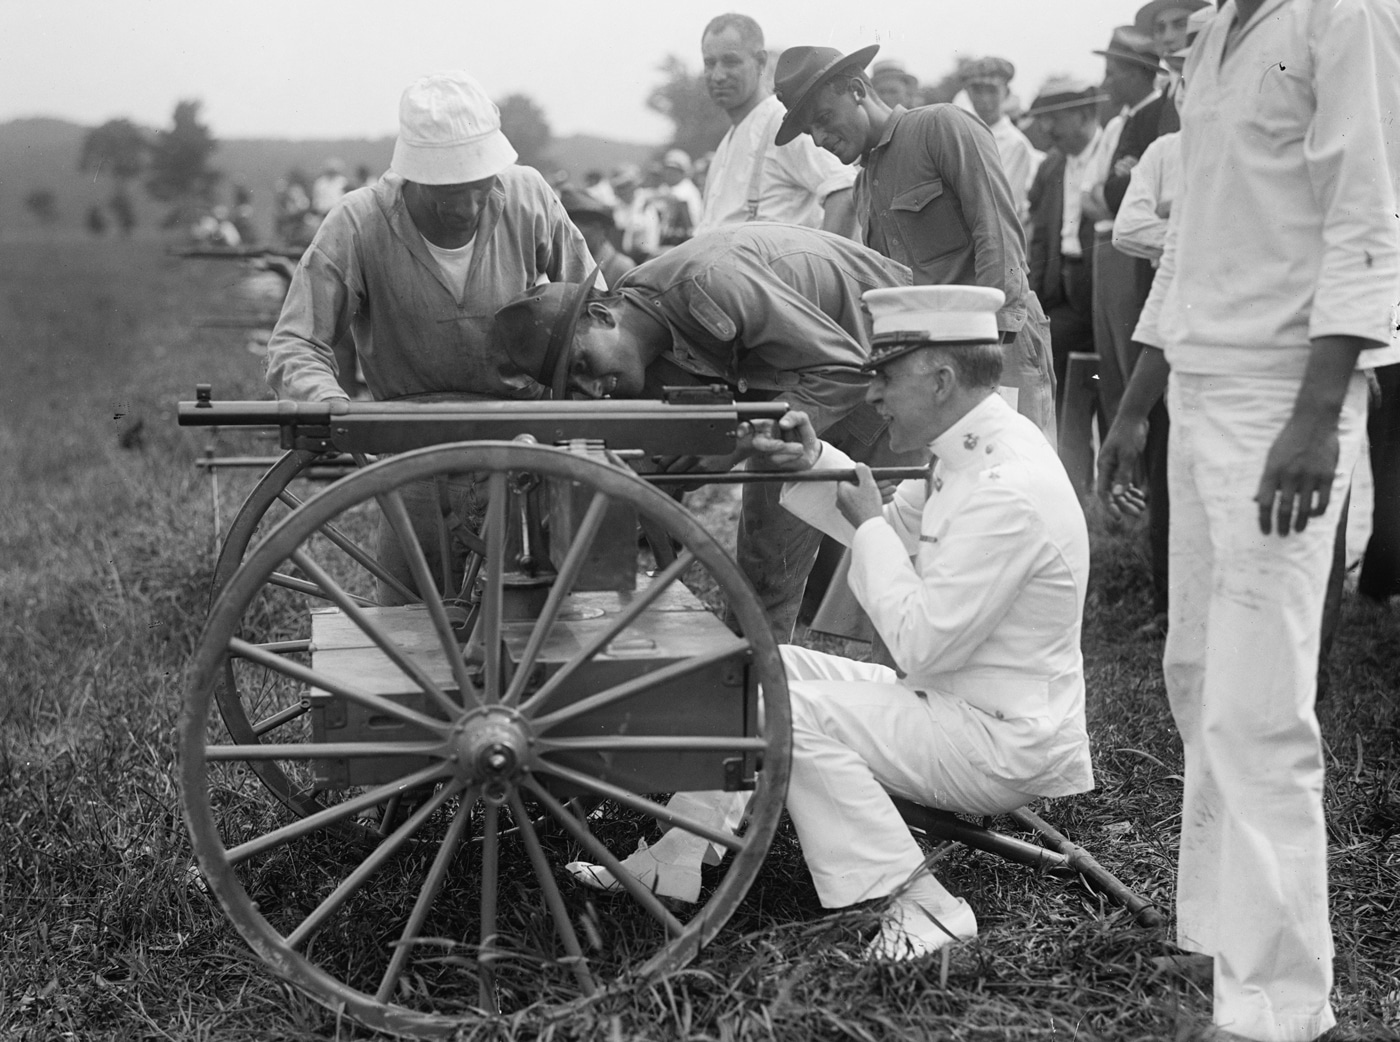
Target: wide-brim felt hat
[
  {"x": 1065, "y": 92},
  {"x": 800, "y": 71},
  {"x": 907, "y": 318},
  {"x": 1148, "y": 12},
  {"x": 536, "y": 330},
  {"x": 1133, "y": 47}
]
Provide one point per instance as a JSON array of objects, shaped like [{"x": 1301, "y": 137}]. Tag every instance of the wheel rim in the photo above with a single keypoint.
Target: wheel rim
[{"x": 503, "y": 753}]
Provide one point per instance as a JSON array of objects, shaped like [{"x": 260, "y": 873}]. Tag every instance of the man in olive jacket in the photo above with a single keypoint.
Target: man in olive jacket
[{"x": 931, "y": 194}]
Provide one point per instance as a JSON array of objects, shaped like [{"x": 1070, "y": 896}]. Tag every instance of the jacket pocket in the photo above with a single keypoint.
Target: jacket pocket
[{"x": 929, "y": 221}]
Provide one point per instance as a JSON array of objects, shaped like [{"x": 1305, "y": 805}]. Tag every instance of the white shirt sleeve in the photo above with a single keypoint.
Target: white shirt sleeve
[
  {"x": 1140, "y": 229},
  {"x": 812, "y": 168},
  {"x": 815, "y": 503}
]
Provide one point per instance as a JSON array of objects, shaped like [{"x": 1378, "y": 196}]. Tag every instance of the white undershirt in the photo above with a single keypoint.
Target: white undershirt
[{"x": 454, "y": 264}]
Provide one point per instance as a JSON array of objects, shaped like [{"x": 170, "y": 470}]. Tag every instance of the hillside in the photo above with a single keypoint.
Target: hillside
[{"x": 43, "y": 153}]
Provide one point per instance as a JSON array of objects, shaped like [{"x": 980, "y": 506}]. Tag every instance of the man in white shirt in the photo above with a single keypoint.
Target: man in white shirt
[
  {"x": 988, "y": 85},
  {"x": 1277, "y": 287},
  {"x": 975, "y": 578},
  {"x": 750, "y": 178}
]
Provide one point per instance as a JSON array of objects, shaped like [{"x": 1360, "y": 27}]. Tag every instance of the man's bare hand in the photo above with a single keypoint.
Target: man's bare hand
[
  {"x": 1298, "y": 475},
  {"x": 1124, "y": 166},
  {"x": 1120, "y": 459},
  {"x": 860, "y": 502},
  {"x": 789, "y": 443}
]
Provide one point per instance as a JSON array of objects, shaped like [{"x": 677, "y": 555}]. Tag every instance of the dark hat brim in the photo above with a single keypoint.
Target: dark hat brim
[
  {"x": 792, "y": 125},
  {"x": 1152, "y": 62},
  {"x": 554, "y": 370},
  {"x": 1064, "y": 104},
  {"x": 889, "y": 346}
]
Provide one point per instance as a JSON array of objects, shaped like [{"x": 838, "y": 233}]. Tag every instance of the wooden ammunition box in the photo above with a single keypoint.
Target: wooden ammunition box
[{"x": 718, "y": 700}]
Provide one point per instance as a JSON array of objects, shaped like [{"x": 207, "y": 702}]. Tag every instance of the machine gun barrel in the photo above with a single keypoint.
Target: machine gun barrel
[
  {"x": 657, "y": 427},
  {"x": 755, "y": 477}
]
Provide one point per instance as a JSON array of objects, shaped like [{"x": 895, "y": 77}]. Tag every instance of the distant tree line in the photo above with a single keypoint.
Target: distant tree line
[{"x": 172, "y": 165}]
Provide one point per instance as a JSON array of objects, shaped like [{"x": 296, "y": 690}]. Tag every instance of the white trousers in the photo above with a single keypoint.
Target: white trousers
[
  {"x": 858, "y": 735},
  {"x": 1240, "y": 667}
]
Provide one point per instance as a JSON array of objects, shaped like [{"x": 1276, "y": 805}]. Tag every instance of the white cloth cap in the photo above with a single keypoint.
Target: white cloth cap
[{"x": 449, "y": 132}]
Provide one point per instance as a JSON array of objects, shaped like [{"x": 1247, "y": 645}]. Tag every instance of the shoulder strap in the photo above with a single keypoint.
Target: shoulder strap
[{"x": 760, "y": 158}]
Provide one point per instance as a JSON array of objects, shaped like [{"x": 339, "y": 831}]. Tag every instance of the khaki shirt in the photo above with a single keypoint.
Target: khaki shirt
[
  {"x": 773, "y": 308},
  {"x": 933, "y": 195}
]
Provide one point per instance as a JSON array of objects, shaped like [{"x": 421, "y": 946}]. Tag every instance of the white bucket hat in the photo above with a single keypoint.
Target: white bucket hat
[{"x": 449, "y": 132}]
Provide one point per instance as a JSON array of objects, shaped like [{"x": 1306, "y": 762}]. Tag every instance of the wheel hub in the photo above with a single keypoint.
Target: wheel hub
[{"x": 490, "y": 748}]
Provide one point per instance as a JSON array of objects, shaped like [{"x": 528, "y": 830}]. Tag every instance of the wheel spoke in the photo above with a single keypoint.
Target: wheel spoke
[
  {"x": 392, "y": 504},
  {"x": 625, "y": 618},
  {"x": 371, "y": 864},
  {"x": 358, "y": 554},
  {"x": 311, "y": 678},
  {"x": 552, "y": 898},
  {"x": 291, "y": 582},
  {"x": 563, "y": 585},
  {"x": 276, "y": 720},
  {"x": 492, "y": 601},
  {"x": 427, "y": 894},
  {"x": 490, "y": 893},
  {"x": 286, "y": 647},
  {"x": 640, "y": 803},
  {"x": 600, "y": 853},
  {"x": 444, "y": 537},
  {"x": 321, "y": 750},
  {"x": 376, "y": 633},
  {"x": 634, "y": 686},
  {"x": 652, "y": 743},
  {"x": 331, "y": 815}
]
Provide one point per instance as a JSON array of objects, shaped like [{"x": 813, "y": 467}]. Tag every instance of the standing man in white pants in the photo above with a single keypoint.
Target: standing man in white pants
[
  {"x": 1277, "y": 288},
  {"x": 975, "y": 579}
]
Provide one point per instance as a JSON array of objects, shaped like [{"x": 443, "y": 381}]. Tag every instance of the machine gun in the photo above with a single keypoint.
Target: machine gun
[{"x": 449, "y": 660}]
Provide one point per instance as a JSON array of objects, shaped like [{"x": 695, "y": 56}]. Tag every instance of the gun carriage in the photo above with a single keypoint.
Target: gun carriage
[{"x": 444, "y": 729}]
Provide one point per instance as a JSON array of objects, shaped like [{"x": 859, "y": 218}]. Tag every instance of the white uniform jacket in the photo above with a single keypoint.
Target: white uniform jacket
[{"x": 975, "y": 580}]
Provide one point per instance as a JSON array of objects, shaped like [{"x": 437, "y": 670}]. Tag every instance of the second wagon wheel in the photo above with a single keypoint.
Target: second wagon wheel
[
  {"x": 592, "y": 689},
  {"x": 255, "y": 705}
]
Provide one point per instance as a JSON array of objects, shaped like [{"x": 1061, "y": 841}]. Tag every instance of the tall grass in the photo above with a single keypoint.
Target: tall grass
[{"x": 105, "y": 557}]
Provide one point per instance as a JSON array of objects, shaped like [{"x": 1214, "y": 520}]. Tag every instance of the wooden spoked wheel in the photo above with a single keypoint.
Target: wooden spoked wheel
[
  {"x": 479, "y": 761},
  {"x": 254, "y": 705}
]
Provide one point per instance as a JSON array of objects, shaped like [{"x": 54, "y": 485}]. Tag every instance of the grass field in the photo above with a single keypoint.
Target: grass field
[{"x": 106, "y": 550}]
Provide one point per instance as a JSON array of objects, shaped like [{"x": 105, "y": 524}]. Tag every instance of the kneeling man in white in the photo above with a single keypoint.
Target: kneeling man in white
[{"x": 975, "y": 579}]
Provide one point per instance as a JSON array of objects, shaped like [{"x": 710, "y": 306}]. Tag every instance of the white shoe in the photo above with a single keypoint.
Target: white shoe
[
  {"x": 680, "y": 882},
  {"x": 910, "y": 931}
]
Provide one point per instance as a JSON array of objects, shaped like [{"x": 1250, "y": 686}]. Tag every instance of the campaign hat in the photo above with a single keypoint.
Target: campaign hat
[
  {"x": 801, "y": 71},
  {"x": 536, "y": 330}
]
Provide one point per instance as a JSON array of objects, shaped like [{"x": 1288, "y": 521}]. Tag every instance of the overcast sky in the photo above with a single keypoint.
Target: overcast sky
[{"x": 335, "y": 68}]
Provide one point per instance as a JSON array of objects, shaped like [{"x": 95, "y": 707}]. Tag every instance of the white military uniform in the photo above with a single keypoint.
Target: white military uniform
[{"x": 976, "y": 581}]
